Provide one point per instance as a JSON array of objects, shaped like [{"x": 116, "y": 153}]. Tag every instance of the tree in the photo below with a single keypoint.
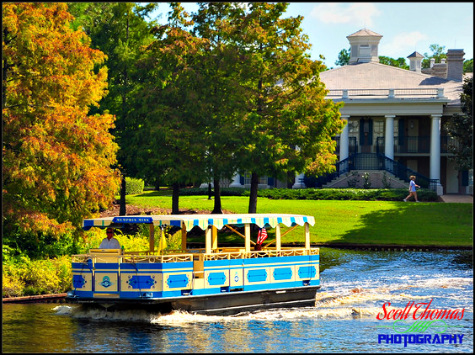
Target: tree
[
  {"x": 56, "y": 156},
  {"x": 173, "y": 111},
  {"x": 437, "y": 54},
  {"x": 343, "y": 57},
  {"x": 460, "y": 128},
  {"x": 120, "y": 30},
  {"x": 398, "y": 63},
  {"x": 289, "y": 123},
  {"x": 218, "y": 24},
  {"x": 468, "y": 66}
]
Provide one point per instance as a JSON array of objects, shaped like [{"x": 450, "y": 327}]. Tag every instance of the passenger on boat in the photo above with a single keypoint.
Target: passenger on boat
[{"x": 110, "y": 242}]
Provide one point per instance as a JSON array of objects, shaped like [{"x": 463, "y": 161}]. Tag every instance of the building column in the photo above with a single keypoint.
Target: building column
[
  {"x": 344, "y": 140},
  {"x": 236, "y": 181},
  {"x": 299, "y": 184},
  {"x": 389, "y": 137},
  {"x": 435, "y": 153}
]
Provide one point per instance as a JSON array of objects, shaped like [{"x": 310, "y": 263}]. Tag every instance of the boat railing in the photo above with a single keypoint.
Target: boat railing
[
  {"x": 173, "y": 258},
  {"x": 193, "y": 254},
  {"x": 265, "y": 253}
]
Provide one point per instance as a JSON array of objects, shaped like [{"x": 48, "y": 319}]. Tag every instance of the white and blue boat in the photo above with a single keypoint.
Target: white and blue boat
[{"x": 210, "y": 280}]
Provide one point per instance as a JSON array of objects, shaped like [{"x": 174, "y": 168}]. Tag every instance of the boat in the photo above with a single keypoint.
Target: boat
[{"x": 210, "y": 280}]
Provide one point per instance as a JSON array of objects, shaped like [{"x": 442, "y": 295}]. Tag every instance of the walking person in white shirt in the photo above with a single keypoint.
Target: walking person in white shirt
[
  {"x": 412, "y": 189},
  {"x": 110, "y": 242}
]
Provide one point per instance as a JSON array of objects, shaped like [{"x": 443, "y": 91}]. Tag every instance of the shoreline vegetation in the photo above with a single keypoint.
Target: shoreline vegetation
[{"x": 346, "y": 224}]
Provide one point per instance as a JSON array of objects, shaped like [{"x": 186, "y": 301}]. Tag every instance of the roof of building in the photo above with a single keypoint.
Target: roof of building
[
  {"x": 415, "y": 55},
  {"x": 380, "y": 76},
  {"x": 364, "y": 32}
]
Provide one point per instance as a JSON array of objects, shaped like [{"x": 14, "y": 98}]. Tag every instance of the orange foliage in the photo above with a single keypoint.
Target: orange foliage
[{"x": 56, "y": 158}]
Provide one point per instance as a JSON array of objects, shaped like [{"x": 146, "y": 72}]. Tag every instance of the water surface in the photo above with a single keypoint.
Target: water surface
[{"x": 355, "y": 285}]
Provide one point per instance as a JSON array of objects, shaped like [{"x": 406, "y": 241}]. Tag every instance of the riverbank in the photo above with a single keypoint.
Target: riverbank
[{"x": 49, "y": 298}]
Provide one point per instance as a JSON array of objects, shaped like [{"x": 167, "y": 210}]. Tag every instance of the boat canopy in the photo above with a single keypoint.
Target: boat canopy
[{"x": 203, "y": 221}]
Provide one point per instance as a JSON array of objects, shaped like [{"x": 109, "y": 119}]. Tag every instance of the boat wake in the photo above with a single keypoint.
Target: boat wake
[{"x": 341, "y": 303}]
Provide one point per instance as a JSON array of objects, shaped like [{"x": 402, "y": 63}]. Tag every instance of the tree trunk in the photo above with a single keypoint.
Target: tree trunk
[
  {"x": 217, "y": 197},
  {"x": 122, "y": 209},
  {"x": 157, "y": 185},
  {"x": 175, "y": 198},
  {"x": 253, "y": 193}
]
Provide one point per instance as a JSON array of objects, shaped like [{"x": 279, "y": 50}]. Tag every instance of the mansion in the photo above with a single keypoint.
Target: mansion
[{"x": 395, "y": 119}]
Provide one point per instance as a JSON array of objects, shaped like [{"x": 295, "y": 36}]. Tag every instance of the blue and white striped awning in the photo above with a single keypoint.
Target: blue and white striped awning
[{"x": 204, "y": 220}]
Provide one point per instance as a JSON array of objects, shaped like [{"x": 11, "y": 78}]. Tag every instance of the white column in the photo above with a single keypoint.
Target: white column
[
  {"x": 236, "y": 181},
  {"x": 344, "y": 140},
  {"x": 435, "y": 151},
  {"x": 389, "y": 137},
  {"x": 299, "y": 184}
]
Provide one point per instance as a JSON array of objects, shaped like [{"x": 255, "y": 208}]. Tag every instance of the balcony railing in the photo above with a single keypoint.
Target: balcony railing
[
  {"x": 371, "y": 161},
  {"x": 416, "y": 93},
  {"x": 414, "y": 144}
]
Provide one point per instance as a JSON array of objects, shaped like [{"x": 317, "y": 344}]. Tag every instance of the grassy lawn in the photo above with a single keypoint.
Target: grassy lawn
[{"x": 365, "y": 222}]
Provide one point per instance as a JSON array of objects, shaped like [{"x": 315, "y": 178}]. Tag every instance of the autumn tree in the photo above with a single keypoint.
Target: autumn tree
[
  {"x": 289, "y": 123},
  {"x": 56, "y": 156}
]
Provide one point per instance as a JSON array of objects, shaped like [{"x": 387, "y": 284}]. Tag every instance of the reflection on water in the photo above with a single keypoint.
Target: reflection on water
[{"x": 355, "y": 285}]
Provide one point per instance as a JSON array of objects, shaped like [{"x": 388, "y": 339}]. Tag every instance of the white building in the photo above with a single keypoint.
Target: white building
[{"x": 395, "y": 119}]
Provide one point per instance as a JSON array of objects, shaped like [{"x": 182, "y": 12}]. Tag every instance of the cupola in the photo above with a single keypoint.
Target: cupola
[
  {"x": 364, "y": 46},
  {"x": 415, "y": 60}
]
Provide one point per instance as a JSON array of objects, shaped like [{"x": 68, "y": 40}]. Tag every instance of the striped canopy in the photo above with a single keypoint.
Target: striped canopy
[{"x": 203, "y": 220}]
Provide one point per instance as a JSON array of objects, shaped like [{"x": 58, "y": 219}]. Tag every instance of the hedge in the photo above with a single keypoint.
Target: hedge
[
  {"x": 323, "y": 194},
  {"x": 134, "y": 186}
]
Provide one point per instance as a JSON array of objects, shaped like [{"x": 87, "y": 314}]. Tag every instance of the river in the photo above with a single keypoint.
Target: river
[{"x": 356, "y": 289}]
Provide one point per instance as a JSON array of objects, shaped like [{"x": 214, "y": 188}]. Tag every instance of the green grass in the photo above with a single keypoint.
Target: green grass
[{"x": 359, "y": 222}]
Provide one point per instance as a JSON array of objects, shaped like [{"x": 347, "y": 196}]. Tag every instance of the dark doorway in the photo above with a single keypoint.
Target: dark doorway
[{"x": 366, "y": 135}]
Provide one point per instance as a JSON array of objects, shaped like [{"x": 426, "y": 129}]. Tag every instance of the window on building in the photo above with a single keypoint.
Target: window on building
[
  {"x": 353, "y": 126},
  {"x": 378, "y": 130},
  {"x": 365, "y": 50},
  {"x": 247, "y": 179}
]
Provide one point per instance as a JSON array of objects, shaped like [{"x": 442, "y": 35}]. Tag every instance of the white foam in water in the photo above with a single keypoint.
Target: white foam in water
[
  {"x": 341, "y": 302},
  {"x": 63, "y": 309}
]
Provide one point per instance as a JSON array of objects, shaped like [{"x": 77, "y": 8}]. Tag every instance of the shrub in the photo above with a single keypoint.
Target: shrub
[
  {"x": 134, "y": 186},
  {"x": 323, "y": 194},
  {"x": 23, "y": 277}
]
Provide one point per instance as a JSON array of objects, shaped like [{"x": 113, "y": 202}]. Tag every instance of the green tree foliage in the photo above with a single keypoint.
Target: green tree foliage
[
  {"x": 219, "y": 24},
  {"x": 343, "y": 57},
  {"x": 289, "y": 123},
  {"x": 173, "y": 110},
  {"x": 437, "y": 53},
  {"x": 56, "y": 156},
  {"x": 460, "y": 127},
  {"x": 468, "y": 66},
  {"x": 398, "y": 63},
  {"x": 120, "y": 30}
]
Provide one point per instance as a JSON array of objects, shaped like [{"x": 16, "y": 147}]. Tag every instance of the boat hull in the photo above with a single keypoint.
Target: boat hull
[{"x": 219, "y": 304}]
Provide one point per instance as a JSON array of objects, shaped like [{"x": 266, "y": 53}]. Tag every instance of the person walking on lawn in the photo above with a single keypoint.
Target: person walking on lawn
[{"x": 412, "y": 189}]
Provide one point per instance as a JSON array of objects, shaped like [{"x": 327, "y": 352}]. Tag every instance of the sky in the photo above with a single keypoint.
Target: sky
[{"x": 405, "y": 27}]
